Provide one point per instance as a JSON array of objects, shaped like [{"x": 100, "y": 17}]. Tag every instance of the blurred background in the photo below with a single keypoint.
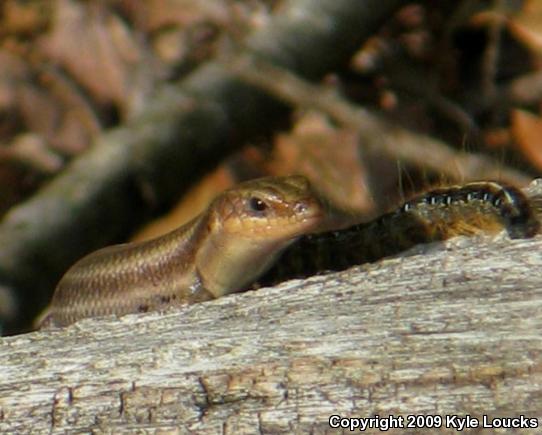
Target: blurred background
[{"x": 103, "y": 105}]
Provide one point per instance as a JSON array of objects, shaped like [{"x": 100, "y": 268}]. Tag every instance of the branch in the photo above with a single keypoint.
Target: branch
[{"x": 375, "y": 133}]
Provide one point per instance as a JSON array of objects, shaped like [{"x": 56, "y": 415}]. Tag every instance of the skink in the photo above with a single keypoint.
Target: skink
[
  {"x": 221, "y": 251},
  {"x": 245, "y": 230}
]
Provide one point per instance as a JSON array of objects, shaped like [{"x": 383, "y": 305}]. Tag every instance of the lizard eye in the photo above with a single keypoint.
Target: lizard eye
[{"x": 256, "y": 204}]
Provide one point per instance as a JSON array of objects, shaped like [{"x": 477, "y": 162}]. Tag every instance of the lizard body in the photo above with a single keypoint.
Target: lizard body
[{"x": 221, "y": 251}]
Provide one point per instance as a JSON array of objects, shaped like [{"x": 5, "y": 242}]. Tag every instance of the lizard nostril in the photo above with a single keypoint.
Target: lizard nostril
[{"x": 300, "y": 207}]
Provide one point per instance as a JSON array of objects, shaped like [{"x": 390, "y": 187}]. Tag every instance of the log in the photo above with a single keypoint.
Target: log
[{"x": 450, "y": 329}]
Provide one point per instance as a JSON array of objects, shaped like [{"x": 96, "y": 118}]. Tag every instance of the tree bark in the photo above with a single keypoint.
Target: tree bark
[{"x": 452, "y": 329}]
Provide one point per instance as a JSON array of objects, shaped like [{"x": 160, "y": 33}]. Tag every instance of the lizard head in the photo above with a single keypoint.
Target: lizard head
[
  {"x": 271, "y": 208},
  {"x": 249, "y": 225}
]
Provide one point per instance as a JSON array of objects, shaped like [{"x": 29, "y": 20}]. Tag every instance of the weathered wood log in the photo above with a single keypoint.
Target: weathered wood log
[{"x": 452, "y": 331}]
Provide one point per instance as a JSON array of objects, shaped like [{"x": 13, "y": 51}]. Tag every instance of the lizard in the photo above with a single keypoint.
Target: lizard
[
  {"x": 265, "y": 231},
  {"x": 221, "y": 251}
]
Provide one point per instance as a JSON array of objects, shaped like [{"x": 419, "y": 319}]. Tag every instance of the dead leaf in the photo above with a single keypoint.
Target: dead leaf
[
  {"x": 97, "y": 48},
  {"x": 329, "y": 157},
  {"x": 527, "y": 25},
  {"x": 527, "y": 130}
]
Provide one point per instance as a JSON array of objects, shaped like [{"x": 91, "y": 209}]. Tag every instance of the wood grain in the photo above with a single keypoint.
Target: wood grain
[{"x": 454, "y": 329}]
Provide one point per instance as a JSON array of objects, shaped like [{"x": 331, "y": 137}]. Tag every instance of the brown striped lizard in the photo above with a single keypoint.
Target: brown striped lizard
[
  {"x": 221, "y": 251},
  {"x": 233, "y": 244}
]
